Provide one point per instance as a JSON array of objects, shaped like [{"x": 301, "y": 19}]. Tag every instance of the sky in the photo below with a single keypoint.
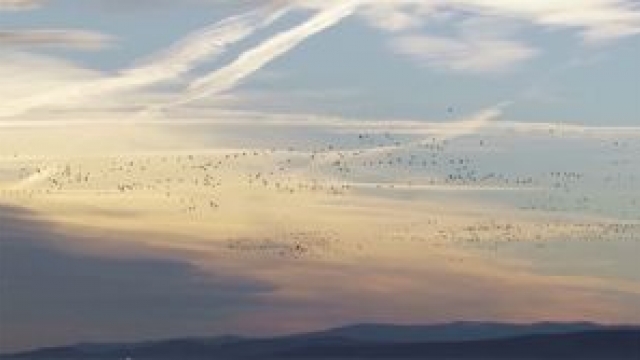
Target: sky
[{"x": 209, "y": 167}]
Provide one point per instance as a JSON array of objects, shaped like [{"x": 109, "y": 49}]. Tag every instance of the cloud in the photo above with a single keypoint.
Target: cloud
[
  {"x": 75, "y": 39},
  {"x": 446, "y": 131},
  {"x": 482, "y": 42},
  {"x": 24, "y": 75},
  {"x": 145, "y": 293},
  {"x": 30, "y": 81},
  {"x": 488, "y": 48},
  {"x": 596, "y": 19},
  {"x": 138, "y": 295},
  {"x": 256, "y": 58},
  {"x": 201, "y": 45},
  {"x": 18, "y": 5},
  {"x": 467, "y": 54},
  {"x": 482, "y": 121},
  {"x": 146, "y": 5},
  {"x": 393, "y": 17},
  {"x": 471, "y": 50},
  {"x": 33, "y": 81},
  {"x": 179, "y": 59},
  {"x": 568, "y": 130}
]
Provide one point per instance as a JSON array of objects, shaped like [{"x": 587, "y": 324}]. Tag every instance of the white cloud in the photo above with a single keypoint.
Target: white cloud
[
  {"x": 392, "y": 17},
  {"x": 24, "y": 74},
  {"x": 179, "y": 59},
  {"x": 76, "y": 39},
  {"x": 468, "y": 54},
  {"x": 16, "y": 5},
  {"x": 595, "y": 20},
  {"x": 256, "y": 58},
  {"x": 200, "y": 46},
  {"x": 482, "y": 41}
]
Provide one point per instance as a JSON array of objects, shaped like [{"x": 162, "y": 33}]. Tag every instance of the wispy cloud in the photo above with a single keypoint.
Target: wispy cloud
[
  {"x": 16, "y": 5},
  {"x": 393, "y": 17},
  {"x": 75, "y": 39},
  {"x": 595, "y": 20},
  {"x": 179, "y": 59},
  {"x": 256, "y": 58},
  {"x": 492, "y": 47},
  {"x": 469, "y": 54},
  {"x": 447, "y": 131},
  {"x": 468, "y": 51}
]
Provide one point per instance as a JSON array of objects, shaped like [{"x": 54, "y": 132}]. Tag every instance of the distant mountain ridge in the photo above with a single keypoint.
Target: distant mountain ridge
[
  {"x": 459, "y": 340},
  {"x": 456, "y": 331}
]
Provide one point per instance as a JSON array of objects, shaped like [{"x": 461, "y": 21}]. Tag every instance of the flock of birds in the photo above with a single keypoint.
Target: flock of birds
[{"x": 202, "y": 184}]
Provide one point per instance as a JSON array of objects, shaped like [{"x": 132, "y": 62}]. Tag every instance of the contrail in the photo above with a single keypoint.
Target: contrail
[
  {"x": 467, "y": 126},
  {"x": 254, "y": 59},
  {"x": 179, "y": 59},
  {"x": 204, "y": 44}
]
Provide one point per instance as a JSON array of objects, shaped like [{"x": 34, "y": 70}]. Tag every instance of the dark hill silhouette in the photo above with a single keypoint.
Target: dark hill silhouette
[
  {"x": 447, "y": 341},
  {"x": 613, "y": 344},
  {"x": 455, "y": 331}
]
